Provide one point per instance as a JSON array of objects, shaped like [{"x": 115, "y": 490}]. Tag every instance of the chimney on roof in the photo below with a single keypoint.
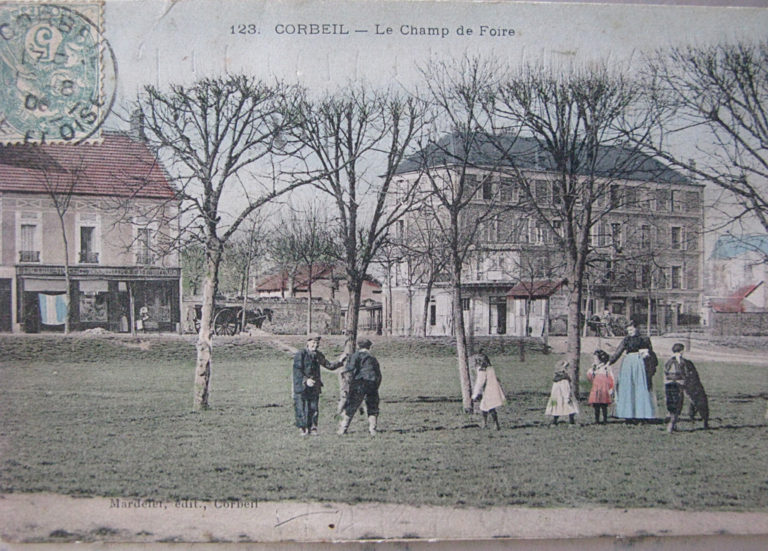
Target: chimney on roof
[
  {"x": 137, "y": 125},
  {"x": 692, "y": 168}
]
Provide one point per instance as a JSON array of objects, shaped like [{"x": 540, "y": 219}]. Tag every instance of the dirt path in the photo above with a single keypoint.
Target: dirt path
[
  {"x": 699, "y": 350},
  {"x": 49, "y": 517}
]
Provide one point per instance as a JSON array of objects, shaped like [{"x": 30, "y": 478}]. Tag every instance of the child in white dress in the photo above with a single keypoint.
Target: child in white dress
[
  {"x": 561, "y": 400},
  {"x": 487, "y": 389}
]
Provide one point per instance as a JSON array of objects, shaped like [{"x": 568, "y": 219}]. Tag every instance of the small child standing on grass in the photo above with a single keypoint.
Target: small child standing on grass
[
  {"x": 561, "y": 400},
  {"x": 600, "y": 397},
  {"x": 487, "y": 388}
]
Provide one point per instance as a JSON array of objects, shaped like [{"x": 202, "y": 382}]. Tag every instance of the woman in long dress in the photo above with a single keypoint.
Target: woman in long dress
[{"x": 634, "y": 398}]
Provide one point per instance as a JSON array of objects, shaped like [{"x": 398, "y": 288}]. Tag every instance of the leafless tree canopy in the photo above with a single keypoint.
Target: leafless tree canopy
[
  {"x": 212, "y": 136},
  {"x": 352, "y": 143},
  {"x": 721, "y": 93}
]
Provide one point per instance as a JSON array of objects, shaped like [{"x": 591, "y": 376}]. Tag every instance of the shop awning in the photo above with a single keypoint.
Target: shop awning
[
  {"x": 45, "y": 285},
  {"x": 535, "y": 289}
]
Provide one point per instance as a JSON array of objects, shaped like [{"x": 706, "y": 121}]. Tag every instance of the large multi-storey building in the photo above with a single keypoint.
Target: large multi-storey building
[
  {"x": 117, "y": 208},
  {"x": 645, "y": 247}
]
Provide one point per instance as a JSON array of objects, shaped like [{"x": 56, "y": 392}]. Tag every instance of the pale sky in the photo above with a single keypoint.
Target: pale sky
[{"x": 160, "y": 42}]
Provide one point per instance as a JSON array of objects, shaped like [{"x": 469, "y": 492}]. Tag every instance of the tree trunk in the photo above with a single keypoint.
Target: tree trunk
[
  {"x": 573, "y": 354},
  {"x": 68, "y": 287},
  {"x": 67, "y": 283},
  {"x": 527, "y": 317},
  {"x": 355, "y": 289},
  {"x": 427, "y": 299},
  {"x": 389, "y": 328},
  {"x": 410, "y": 311},
  {"x": 459, "y": 333},
  {"x": 649, "y": 318},
  {"x": 202, "y": 388},
  {"x": 309, "y": 301},
  {"x": 132, "y": 308},
  {"x": 245, "y": 289},
  {"x": 291, "y": 285}
]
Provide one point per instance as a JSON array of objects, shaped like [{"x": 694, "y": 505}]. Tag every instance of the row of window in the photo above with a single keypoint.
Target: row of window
[
  {"x": 603, "y": 235},
  {"x": 506, "y": 190},
  {"x": 30, "y": 244},
  {"x": 649, "y": 277},
  {"x": 676, "y": 238}
]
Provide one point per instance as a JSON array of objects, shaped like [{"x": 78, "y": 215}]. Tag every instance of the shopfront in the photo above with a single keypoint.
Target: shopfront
[{"x": 111, "y": 298}]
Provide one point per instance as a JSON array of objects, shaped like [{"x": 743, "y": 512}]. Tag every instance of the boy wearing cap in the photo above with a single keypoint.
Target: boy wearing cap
[
  {"x": 365, "y": 378},
  {"x": 307, "y": 384},
  {"x": 674, "y": 381}
]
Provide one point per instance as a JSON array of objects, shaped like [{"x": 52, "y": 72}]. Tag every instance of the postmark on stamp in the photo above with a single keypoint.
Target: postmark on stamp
[{"x": 51, "y": 71}]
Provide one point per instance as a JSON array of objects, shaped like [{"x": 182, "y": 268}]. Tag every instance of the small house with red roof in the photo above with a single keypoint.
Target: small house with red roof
[
  {"x": 328, "y": 283},
  {"x": 118, "y": 210}
]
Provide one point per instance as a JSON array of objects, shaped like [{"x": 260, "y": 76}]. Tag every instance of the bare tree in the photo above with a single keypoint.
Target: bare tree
[
  {"x": 304, "y": 240},
  {"x": 455, "y": 178},
  {"x": 717, "y": 96},
  {"x": 240, "y": 254},
  {"x": 213, "y": 134},
  {"x": 563, "y": 134},
  {"x": 193, "y": 267},
  {"x": 428, "y": 255},
  {"x": 389, "y": 256},
  {"x": 353, "y": 142},
  {"x": 60, "y": 183}
]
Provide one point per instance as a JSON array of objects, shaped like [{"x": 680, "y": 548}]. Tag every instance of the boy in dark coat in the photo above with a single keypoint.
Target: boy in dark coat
[
  {"x": 364, "y": 376},
  {"x": 674, "y": 384},
  {"x": 307, "y": 384}
]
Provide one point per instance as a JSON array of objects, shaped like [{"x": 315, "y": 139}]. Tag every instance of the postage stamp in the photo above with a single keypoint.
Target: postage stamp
[{"x": 51, "y": 70}]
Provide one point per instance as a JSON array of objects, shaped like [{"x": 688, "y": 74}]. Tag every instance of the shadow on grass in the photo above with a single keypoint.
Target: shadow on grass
[
  {"x": 423, "y": 399},
  {"x": 744, "y": 398},
  {"x": 722, "y": 427}
]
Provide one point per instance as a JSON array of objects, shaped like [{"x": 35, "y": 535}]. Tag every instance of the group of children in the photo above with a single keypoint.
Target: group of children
[{"x": 680, "y": 378}]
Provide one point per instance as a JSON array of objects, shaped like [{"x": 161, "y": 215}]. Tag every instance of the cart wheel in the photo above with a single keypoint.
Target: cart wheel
[{"x": 225, "y": 322}]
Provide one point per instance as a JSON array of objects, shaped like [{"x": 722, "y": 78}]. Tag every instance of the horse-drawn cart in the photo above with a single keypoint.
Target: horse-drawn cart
[{"x": 228, "y": 317}]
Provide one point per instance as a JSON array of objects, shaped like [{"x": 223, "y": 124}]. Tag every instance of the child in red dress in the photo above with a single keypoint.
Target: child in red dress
[{"x": 601, "y": 394}]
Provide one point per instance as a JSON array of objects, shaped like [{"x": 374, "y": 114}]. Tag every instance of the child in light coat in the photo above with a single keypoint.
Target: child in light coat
[
  {"x": 561, "y": 400},
  {"x": 487, "y": 389}
]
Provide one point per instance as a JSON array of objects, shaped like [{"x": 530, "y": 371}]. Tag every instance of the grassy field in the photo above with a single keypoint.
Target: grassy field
[{"x": 112, "y": 417}]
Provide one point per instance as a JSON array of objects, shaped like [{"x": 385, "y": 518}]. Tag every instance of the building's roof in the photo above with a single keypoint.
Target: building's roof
[
  {"x": 614, "y": 161},
  {"x": 279, "y": 281},
  {"x": 729, "y": 246},
  {"x": 119, "y": 166},
  {"x": 737, "y": 301},
  {"x": 543, "y": 288}
]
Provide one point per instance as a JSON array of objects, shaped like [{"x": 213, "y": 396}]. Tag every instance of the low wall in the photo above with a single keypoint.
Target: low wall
[
  {"x": 742, "y": 323},
  {"x": 290, "y": 316}
]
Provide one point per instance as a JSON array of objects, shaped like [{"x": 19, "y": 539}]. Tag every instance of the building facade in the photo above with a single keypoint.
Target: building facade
[
  {"x": 113, "y": 203},
  {"x": 645, "y": 261}
]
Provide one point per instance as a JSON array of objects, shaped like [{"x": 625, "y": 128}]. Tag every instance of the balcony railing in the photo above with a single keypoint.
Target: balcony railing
[
  {"x": 29, "y": 256},
  {"x": 89, "y": 257},
  {"x": 145, "y": 259}
]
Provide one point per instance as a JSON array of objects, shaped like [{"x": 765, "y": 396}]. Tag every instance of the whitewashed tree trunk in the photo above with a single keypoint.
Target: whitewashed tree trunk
[{"x": 205, "y": 338}]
